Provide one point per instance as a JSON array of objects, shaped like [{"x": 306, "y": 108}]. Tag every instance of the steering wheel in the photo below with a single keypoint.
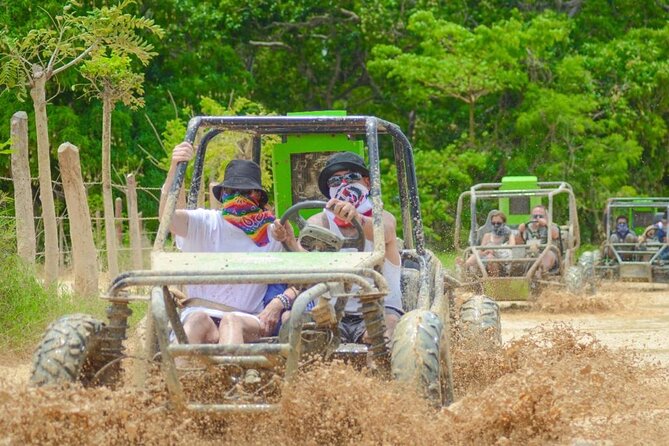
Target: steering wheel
[
  {"x": 535, "y": 235},
  {"x": 318, "y": 238}
]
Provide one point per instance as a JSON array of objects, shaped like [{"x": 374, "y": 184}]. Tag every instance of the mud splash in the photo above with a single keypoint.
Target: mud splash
[
  {"x": 551, "y": 301},
  {"x": 554, "y": 385}
]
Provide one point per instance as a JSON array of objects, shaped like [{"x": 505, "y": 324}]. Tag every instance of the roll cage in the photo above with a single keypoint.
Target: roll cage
[
  {"x": 641, "y": 261},
  {"x": 524, "y": 263}
]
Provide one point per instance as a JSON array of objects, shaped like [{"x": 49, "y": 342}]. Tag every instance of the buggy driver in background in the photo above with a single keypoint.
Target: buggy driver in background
[{"x": 537, "y": 230}]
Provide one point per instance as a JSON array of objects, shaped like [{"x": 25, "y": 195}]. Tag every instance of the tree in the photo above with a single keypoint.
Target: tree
[
  {"x": 455, "y": 62},
  {"x": 112, "y": 80},
  {"x": 30, "y": 62}
]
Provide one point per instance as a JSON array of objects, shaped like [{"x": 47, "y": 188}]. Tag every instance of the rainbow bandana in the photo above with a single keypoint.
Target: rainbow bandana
[{"x": 245, "y": 214}]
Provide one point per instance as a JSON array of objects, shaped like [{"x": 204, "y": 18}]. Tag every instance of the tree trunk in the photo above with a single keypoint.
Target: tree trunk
[
  {"x": 107, "y": 199},
  {"x": 472, "y": 127},
  {"x": 23, "y": 195},
  {"x": 38, "y": 94},
  {"x": 84, "y": 256}
]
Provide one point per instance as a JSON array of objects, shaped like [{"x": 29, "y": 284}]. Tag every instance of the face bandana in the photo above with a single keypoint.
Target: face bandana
[
  {"x": 245, "y": 214},
  {"x": 498, "y": 230},
  {"x": 356, "y": 194},
  {"x": 621, "y": 229}
]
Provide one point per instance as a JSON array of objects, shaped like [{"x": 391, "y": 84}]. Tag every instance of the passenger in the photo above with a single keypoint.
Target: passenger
[
  {"x": 621, "y": 234},
  {"x": 537, "y": 230},
  {"x": 657, "y": 233},
  {"x": 241, "y": 225},
  {"x": 500, "y": 235},
  {"x": 345, "y": 182}
]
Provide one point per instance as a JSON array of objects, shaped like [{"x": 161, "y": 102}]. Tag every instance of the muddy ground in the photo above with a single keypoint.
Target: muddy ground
[{"x": 572, "y": 371}]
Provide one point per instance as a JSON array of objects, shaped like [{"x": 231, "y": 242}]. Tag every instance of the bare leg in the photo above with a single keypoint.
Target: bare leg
[
  {"x": 236, "y": 328},
  {"x": 200, "y": 329}
]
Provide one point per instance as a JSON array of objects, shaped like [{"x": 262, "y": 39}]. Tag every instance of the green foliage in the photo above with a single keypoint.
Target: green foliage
[
  {"x": 112, "y": 76},
  {"x": 226, "y": 146},
  {"x": 443, "y": 174},
  {"x": 575, "y": 91},
  {"x": 26, "y": 307}
]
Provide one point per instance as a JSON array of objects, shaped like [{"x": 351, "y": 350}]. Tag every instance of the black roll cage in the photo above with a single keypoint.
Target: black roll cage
[{"x": 371, "y": 127}]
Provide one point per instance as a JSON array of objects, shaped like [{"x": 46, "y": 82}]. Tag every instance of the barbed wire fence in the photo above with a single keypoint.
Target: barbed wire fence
[{"x": 147, "y": 197}]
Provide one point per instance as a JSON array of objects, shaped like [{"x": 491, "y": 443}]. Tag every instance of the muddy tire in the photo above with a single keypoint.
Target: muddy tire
[
  {"x": 587, "y": 264},
  {"x": 480, "y": 323},
  {"x": 574, "y": 279},
  {"x": 580, "y": 278},
  {"x": 416, "y": 356},
  {"x": 70, "y": 351}
]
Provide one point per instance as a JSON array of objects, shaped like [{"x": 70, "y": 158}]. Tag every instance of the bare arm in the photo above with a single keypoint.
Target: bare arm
[
  {"x": 390, "y": 234},
  {"x": 179, "y": 224}
]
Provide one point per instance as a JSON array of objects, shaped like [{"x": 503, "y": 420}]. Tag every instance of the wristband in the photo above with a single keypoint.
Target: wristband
[{"x": 284, "y": 301}]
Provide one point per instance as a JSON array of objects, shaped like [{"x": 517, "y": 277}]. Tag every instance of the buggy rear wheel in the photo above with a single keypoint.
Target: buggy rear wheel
[
  {"x": 480, "y": 322},
  {"x": 70, "y": 351},
  {"x": 416, "y": 354},
  {"x": 574, "y": 279},
  {"x": 587, "y": 262}
]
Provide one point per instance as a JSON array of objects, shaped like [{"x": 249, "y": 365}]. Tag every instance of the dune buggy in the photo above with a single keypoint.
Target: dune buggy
[
  {"x": 84, "y": 349},
  {"x": 646, "y": 260},
  {"x": 519, "y": 273}
]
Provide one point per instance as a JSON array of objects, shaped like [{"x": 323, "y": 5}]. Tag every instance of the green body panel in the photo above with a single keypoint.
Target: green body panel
[
  {"x": 517, "y": 209},
  {"x": 507, "y": 288},
  {"x": 297, "y": 161}
]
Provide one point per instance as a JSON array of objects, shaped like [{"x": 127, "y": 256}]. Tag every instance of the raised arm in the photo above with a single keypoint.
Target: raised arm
[{"x": 179, "y": 224}]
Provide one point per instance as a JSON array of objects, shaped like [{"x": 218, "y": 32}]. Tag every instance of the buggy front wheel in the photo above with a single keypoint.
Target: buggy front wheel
[
  {"x": 70, "y": 351},
  {"x": 417, "y": 352}
]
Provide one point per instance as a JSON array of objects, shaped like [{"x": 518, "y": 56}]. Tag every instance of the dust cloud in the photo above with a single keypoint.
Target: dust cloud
[{"x": 554, "y": 384}]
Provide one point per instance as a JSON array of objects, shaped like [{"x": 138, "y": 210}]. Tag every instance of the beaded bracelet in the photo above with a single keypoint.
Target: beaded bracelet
[{"x": 284, "y": 301}]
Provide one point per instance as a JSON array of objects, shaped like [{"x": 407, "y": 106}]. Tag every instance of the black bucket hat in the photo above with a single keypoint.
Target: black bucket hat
[
  {"x": 340, "y": 161},
  {"x": 241, "y": 175}
]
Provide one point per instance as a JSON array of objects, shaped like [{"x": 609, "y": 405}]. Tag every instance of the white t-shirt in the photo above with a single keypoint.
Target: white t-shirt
[
  {"x": 390, "y": 271},
  {"x": 209, "y": 232}
]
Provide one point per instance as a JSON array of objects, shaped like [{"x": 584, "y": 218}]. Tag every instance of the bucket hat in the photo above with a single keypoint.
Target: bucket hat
[
  {"x": 340, "y": 161},
  {"x": 241, "y": 175}
]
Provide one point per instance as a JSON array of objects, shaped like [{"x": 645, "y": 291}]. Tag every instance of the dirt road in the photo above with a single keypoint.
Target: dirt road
[
  {"x": 573, "y": 371},
  {"x": 632, "y": 315}
]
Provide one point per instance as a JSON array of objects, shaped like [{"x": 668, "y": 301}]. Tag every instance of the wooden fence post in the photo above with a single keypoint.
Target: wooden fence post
[
  {"x": 61, "y": 243},
  {"x": 118, "y": 214},
  {"x": 133, "y": 222},
  {"x": 23, "y": 196},
  {"x": 84, "y": 256}
]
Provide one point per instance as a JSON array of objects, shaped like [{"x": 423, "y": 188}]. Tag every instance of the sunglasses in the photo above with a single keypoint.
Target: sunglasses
[
  {"x": 538, "y": 216},
  {"x": 335, "y": 181},
  {"x": 497, "y": 223}
]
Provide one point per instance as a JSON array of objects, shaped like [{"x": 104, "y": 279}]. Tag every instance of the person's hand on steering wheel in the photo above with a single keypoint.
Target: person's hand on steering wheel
[
  {"x": 318, "y": 237},
  {"x": 344, "y": 210}
]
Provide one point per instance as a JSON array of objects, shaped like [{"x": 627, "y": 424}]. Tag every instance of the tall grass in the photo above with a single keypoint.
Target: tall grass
[{"x": 26, "y": 306}]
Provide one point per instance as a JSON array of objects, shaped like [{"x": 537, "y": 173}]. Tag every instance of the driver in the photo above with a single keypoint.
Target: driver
[
  {"x": 243, "y": 224},
  {"x": 622, "y": 234},
  {"x": 537, "y": 230},
  {"x": 345, "y": 182}
]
